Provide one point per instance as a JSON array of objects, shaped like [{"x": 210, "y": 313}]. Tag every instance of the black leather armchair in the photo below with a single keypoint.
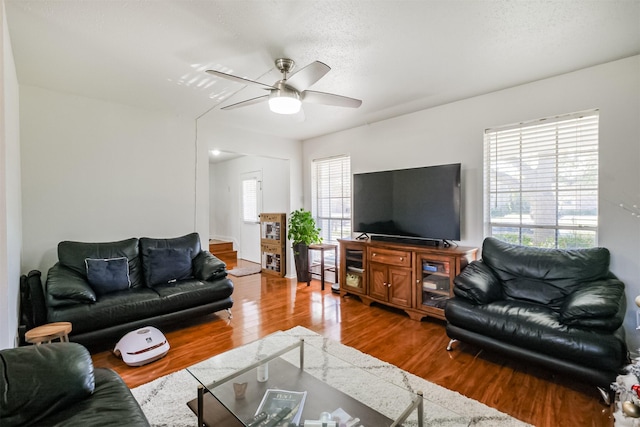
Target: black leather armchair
[
  {"x": 57, "y": 385},
  {"x": 562, "y": 309}
]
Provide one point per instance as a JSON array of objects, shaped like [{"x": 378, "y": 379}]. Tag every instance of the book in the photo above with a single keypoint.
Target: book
[
  {"x": 429, "y": 267},
  {"x": 426, "y": 284},
  {"x": 274, "y": 400}
]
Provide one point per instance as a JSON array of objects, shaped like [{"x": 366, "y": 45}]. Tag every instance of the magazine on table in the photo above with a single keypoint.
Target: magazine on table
[{"x": 275, "y": 400}]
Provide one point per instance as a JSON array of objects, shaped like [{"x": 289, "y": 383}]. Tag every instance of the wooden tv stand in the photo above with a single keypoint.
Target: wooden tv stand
[{"x": 417, "y": 279}]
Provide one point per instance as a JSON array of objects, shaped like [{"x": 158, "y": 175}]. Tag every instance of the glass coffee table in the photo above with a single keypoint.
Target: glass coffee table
[{"x": 234, "y": 384}]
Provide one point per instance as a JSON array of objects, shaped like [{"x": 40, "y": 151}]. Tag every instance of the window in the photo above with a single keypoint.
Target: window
[
  {"x": 250, "y": 200},
  {"x": 541, "y": 182},
  {"x": 331, "y": 193}
]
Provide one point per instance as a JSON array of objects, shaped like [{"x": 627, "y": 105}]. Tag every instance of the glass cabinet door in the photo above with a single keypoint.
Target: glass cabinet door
[
  {"x": 354, "y": 274},
  {"x": 434, "y": 281}
]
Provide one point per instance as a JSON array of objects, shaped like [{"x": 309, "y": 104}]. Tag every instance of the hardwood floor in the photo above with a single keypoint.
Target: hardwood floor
[{"x": 263, "y": 305}]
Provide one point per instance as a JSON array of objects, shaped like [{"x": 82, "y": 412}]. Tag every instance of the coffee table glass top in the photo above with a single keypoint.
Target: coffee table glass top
[{"x": 375, "y": 397}]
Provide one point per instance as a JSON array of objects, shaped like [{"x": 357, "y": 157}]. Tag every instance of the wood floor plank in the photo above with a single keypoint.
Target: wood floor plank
[{"x": 265, "y": 304}]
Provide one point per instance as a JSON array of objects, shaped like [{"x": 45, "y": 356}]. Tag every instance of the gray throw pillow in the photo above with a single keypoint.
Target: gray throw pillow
[
  {"x": 168, "y": 265},
  {"x": 108, "y": 275}
]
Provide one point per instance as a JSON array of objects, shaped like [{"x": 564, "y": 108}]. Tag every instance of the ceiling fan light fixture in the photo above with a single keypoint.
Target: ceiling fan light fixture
[
  {"x": 284, "y": 105},
  {"x": 284, "y": 100}
]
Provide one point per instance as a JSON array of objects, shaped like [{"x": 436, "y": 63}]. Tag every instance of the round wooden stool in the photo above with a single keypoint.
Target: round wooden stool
[{"x": 47, "y": 333}]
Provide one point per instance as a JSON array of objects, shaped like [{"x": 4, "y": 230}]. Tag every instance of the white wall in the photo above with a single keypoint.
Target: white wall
[
  {"x": 10, "y": 207},
  {"x": 454, "y": 133},
  {"x": 213, "y": 132},
  {"x": 99, "y": 171}
]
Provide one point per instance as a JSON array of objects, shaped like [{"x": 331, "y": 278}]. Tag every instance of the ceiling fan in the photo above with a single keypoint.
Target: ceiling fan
[{"x": 286, "y": 95}]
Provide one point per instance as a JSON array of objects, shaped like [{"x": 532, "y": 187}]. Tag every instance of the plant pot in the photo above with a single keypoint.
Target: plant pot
[{"x": 301, "y": 259}]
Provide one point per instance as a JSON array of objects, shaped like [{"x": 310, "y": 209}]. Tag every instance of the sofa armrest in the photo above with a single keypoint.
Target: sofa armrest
[
  {"x": 478, "y": 284},
  {"x": 66, "y": 286},
  {"x": 111, "y": 404},
  {"x": 36, "y": 381},
  {"x": 208, "y": 267},
  {"x": 599, "y": 304}
]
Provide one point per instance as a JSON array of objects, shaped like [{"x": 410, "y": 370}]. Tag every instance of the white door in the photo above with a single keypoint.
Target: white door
[{"x": 251, "y": 206}]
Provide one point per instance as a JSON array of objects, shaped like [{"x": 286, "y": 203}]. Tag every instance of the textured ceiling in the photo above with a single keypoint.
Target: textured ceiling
[{"x": 397, "y": 56}]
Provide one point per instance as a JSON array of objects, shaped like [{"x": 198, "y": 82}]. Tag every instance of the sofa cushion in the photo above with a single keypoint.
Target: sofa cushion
[
  {"x": 541, "y": 275},
  {"x": 108, "y": 275},
  {"x": 168, "y": 265},
  {"x": 111, "y": 309},
  {"x": 190, "y": 241},
  {"x": 534, "y": 290},
  {"x": 36, "y": 381},
  {"x": 188, "y": 293},
  {"x": 73, "y": 255}
]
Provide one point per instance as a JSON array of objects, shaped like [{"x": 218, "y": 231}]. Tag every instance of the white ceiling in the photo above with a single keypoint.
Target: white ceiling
[{"x": 397, "y": 56}]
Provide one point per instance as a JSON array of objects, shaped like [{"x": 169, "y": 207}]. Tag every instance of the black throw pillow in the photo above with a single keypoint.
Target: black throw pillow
[
  {"x": 167, "y": 265},
  {"x": 108, "y": 275}
]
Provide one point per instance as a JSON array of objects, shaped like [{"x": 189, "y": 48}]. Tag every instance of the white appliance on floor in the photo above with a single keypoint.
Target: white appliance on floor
[{"x": 142, "y": 346}]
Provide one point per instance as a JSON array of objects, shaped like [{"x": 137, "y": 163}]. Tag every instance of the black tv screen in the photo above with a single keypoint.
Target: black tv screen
[{"x": 413, "y": 203}]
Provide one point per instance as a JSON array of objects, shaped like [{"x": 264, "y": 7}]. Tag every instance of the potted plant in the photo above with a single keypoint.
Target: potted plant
[{"x": 302, "y": 232}]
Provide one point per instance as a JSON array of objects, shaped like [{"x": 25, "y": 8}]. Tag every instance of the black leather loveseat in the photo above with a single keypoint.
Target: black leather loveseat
[
  {"x": 559, "y": 308},
  {"x": 57, "y": 385},
  {"x": 108, "y": 289}
]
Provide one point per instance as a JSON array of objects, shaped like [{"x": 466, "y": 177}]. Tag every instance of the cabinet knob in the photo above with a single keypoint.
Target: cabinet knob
[
  {"x": 374, "y": 254},
  {"x": 401, "y": 258}
]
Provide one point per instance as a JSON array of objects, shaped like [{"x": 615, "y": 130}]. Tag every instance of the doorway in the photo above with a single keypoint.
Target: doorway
[
  {"x": 250, "y": 208},
  {"x": 225, "y": 214}
]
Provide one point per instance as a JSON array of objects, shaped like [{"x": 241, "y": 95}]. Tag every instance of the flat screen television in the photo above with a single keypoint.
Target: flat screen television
[{"x": 417, "y": 203}]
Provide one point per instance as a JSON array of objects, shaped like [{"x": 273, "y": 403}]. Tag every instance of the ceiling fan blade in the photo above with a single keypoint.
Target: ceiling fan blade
[
  {"x": 330, "y": 99},
  {"x": 246, "y": 102},
  {"x": 239, "y": 79},
  {"x": 308, "y": 75}
]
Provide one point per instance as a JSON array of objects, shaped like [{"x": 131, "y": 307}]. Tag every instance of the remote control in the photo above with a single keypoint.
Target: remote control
[
  {"x": 278, "y": 417},
  {"x": 253, "y": 422}
]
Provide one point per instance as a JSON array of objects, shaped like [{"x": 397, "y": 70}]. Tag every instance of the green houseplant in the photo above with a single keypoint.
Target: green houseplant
[{"x": 302, "y": 232}]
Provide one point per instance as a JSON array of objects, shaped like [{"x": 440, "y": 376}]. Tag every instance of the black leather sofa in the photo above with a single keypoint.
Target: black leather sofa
[
  {"x": 562, "y": 309},
  {"x": 57, "y": 385},
  {"x": 108, "y": 289}
]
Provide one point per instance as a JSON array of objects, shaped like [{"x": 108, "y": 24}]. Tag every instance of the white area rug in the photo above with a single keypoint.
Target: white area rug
[{"x": 164, "y": 400}]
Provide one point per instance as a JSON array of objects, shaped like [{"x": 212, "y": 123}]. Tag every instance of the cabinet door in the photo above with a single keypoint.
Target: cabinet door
[
  {"x": 378, "y": 281},
  {"x": 353, "y": 273},
  {"x": 399, "y": 284},
  {"x": 434, "y": 281}
]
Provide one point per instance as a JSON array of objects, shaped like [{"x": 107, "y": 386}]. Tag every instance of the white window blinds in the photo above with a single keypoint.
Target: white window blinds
[
  {"x": 250, "y": 200},
  {"x": 331, "y": 193},
  {"x": 541, "y": 182}
]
